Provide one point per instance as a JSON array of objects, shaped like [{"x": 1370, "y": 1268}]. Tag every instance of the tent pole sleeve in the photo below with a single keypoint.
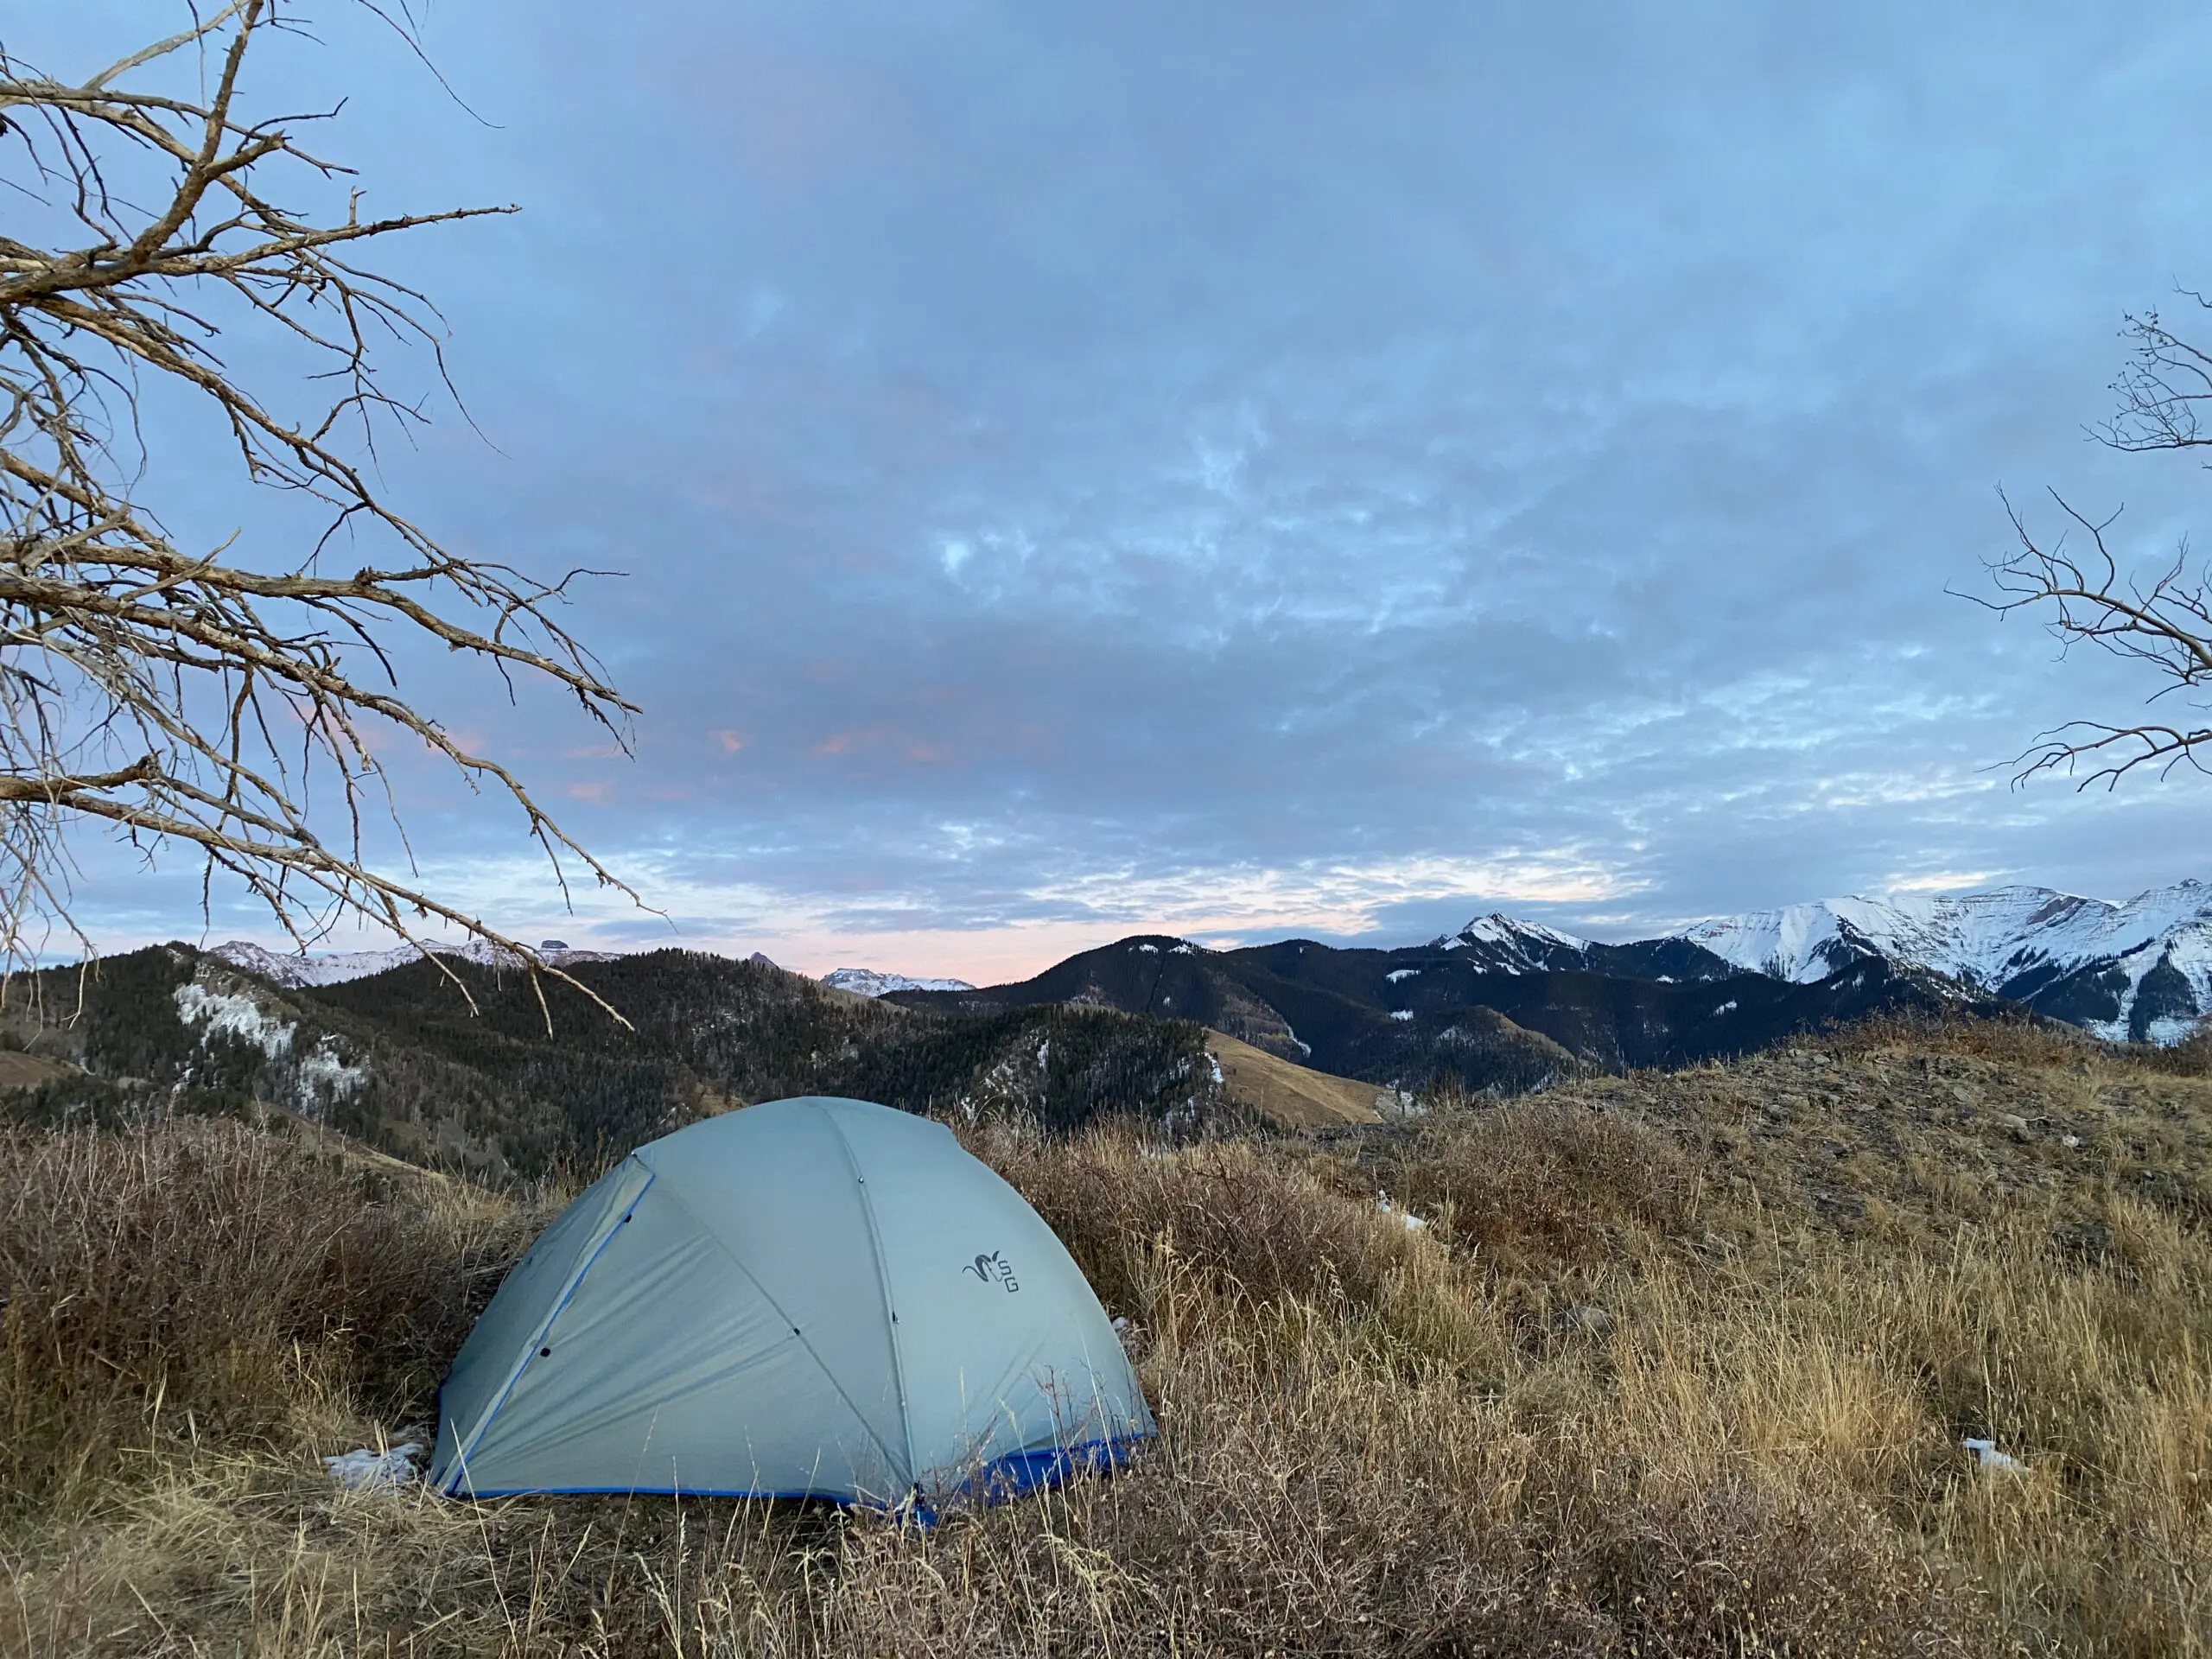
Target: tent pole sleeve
[
  {"x": 538, "y": 1335},
  {"x": 883, "y": 1284}
]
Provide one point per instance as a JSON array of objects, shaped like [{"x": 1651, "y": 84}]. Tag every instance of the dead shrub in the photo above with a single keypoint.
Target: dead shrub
[
  {"x": 2023, "y": 1040},
  {"x": 1262, "y": 1227},
  {"x": 208, "y": 1274},
  {"x": 1536, "y": 1185},
  {"x": 1309, "y": 1503},
  {"x": 1726, "y": 1566}
]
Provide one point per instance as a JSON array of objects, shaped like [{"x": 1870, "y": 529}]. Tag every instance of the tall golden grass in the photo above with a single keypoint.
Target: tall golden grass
[{"x": 1631, "y": 1391}]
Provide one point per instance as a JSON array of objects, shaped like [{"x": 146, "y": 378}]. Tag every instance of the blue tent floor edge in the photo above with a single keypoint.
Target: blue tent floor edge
[
  {"x": 1021, "y": 1472},
  {"x": 1015, "y": 1475}
]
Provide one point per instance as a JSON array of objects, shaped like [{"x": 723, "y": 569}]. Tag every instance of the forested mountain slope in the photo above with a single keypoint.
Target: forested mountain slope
[
  {"x": 1482, "y": 1018},
  {"x": 400, "y": 1060}
]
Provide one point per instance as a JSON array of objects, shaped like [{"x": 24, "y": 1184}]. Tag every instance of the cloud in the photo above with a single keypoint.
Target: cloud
[
  {"x": 1938, "y": 882},
  {"x": 1242, "y": 471},
  {"x": 1245, "y": 902}
]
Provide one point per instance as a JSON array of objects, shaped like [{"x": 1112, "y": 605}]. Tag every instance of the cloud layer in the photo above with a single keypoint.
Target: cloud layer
[{"x": 1319, "y": 470}]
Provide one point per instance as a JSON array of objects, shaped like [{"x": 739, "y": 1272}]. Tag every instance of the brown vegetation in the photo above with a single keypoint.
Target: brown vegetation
[{"x": 1676, "y": 1364}]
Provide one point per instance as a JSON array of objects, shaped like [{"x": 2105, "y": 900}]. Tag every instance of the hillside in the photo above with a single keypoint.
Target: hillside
[
  {"x": 1675, "y": 1363},
  {"x": 1484, "y": 1017},
  {"x": 1295, "y": 1096},
  {"x": 397, "y": 1059}
]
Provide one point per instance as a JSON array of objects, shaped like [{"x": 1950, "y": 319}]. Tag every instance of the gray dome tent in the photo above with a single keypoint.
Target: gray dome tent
[{"x": 809, "y": 1298}]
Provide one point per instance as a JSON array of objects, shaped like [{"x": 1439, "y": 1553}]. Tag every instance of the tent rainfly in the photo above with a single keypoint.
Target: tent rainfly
[{"x": 808, "y": 1297}]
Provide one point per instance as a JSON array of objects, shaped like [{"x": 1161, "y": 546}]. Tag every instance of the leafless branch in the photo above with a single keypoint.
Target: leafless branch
[
  {"x": 2164, "y": 391},
  {"x": 196, "y": 697},
  {"x": 2076, "y": 584}
]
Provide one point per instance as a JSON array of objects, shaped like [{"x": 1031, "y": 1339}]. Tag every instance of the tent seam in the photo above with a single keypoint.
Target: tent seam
[
  {"x": 538, "y": 1339},
  {"x": 883, "y": 1286}
]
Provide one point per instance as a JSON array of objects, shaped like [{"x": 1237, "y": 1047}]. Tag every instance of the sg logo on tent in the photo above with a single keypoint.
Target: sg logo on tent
[{"x": 993, "y": 1271}]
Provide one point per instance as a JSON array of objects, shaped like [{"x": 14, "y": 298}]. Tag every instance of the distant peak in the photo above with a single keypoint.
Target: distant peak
[
  {"x": 1498, "y": 928},
  {"x": 299, "y": 970},
  {"x": 868, "y": 982}
]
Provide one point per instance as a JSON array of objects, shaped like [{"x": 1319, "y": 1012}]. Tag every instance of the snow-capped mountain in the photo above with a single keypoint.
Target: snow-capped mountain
[
  {"x": 2142, "y": 969},
  {"x": 1982, "y": 937},
  {"x": 2139, "y": 971},
  {"x": 868, "y": 982},
  {"x": 299, "y": 970},
  {"x": 1502, "y": 944}
]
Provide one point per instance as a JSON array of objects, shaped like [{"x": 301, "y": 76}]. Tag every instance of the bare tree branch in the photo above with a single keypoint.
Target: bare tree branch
[
  {"x": 235, "y": 684},
  {"x": 2074, "y": 582},
  {"x": 2164, "y": 391}
]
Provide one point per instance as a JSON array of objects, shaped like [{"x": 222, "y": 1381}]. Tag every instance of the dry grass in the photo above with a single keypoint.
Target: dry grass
[
  {"x": 203, "y": 1279},
  {"x": 1679, "y": 1365},
  {"x": 1290, "y": 1097}
]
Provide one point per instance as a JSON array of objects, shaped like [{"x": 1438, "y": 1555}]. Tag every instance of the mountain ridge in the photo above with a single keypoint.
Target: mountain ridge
[
  {"x": 2139, "y": 970},
  {"x": 300, "y": 970},
  {"x": 504, "y": 1086},
  {"x": 1445, "y": 1013},
  {"x": 869, "y": 981}
]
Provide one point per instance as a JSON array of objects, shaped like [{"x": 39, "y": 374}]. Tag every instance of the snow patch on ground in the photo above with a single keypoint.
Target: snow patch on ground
[
  {"x": 320, "y": 1076},
  {"x": 229, "y": 1013},
  {"x": 1986, "y": 1453},
  {"x": 1402, "y": 1014},
  {"x": 1397, "y": 973},
  {"x": 325, "y": 1076}
]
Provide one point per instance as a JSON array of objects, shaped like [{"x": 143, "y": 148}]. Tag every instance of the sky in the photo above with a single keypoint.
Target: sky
[{"x": 1249, "y": 470}]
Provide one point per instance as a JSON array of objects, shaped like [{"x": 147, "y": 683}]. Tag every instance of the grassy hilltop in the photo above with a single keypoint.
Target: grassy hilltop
[{"x": 1680, "y": 1364}]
